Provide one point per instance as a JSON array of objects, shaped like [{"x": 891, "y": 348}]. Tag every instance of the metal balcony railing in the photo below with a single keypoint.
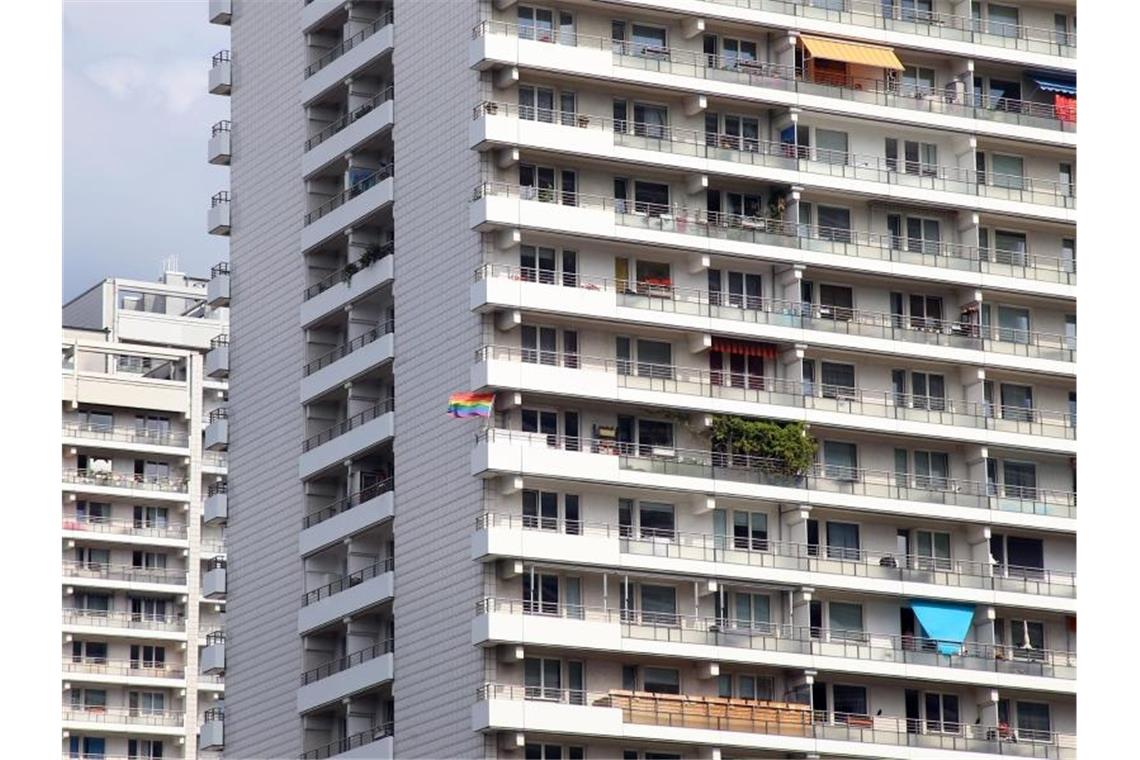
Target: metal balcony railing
[
  {"x": 215, "y": 637},
  {"x": 124, "y": 480},
  {"x": 374, "y": 734},
  {"x": 790, "y": 555},
  {"x": 220, "y": 57},
  {"x": 343, "y": 350},
  {"x": 133, "y": 715},
  {"x": 879, "y": 404},
  {"x": 352, "y": 116},
  {"x": 809, "y": 160},
  {"x": 222, "y": 267},
  {"x": 219, "y": 127},
  {"x": 130, "y": 573},
  {"x": 221, "y": 413},
  {"x": 348, "y": 44},
  {"x": 219, "y": 341},
  {"x": 889, "y": 92},
  {"x": 822, "y": 478},
  {"x": 345, "y": 273},
  {"x": 347, "y": 581},
  {"x": 348, "y": 661},
  {"x": 212, "y": 549},
  {"x": 218, "y": 198},
  {"x": 130, "y": 668},
  {"x": 344, "y": 196},
  {"x": 789, "y": 719},
  {"x": 219, "y": 487},
  {"x": 353, "y": 422},
  {"x": 215, "y": 458},
  {"x": 143, "y": 527},
  {"x": 343, "y": 505},
  {"x": 214, "y": 714},
  {"x": 126, "y": 434},
  {"x": 114, "y": 619},
  {"x": 669, "y": 298}
]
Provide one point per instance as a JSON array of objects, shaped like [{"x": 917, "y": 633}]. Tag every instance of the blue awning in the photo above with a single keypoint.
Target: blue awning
[
  {"x": 946, "y": 622},
  {"x": 1053, "y": 83}
]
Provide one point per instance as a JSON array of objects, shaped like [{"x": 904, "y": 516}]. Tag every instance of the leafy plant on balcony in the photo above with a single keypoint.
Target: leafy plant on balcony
[{"x": 788, "y": 446}]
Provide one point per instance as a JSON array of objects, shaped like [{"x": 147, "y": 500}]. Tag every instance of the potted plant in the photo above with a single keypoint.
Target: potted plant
[{"x": 782, "y": 449}]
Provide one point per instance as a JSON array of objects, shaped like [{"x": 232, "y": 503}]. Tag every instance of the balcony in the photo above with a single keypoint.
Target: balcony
[
  {"x": 218, "y": 217},
  {"x": 345, "y": 134},
  {"x": 347, "y": 57},
  {"x": 125, "y": 437},
  {"x": 115, "y": 483},
  {"x": 348, "y": 361},
  {"x": 137, "y": 672},
  {"x": 782, "y": 646},
  {"x": 108, "y": 575},
  {"x": 499, "y": 44},
  {"x": 211, "y": 736},
  {"x": 221, "y": 75},
  {"x": 218, "y": 151},
  {"x": 346, "y": 517},
  {"x": 218, "y": 357},
  {"x": 215, "y": 511},
  {"x": 218, "y": 288},
  {"x": 173, "y": 534},
  {"x": 343, "y": 677},
  {"x": 99, "y": 621},
  {"x": 498, "y": 205},
  {"x": 600, "y": 544},
  {"x": 747, "y": 724},
  {"x": 369, "y": 273},
  {"x": 740, "y": 476},
  {"x": 677, "y": 149},
  {"x": 348, "y": 207},
  {"x": 213, "y": 659},
  {"x": 345, "y": 595},
  {"x": 217, "y": 434},
  {"x": 374, "y": 744},
  {"x": 214, "y": 580},
  {"x": 347, "y": 439},
  {"x": 122, "y": 719},
  {"x": 215, "y": 462},
  {"x": 221, "y": 11}
]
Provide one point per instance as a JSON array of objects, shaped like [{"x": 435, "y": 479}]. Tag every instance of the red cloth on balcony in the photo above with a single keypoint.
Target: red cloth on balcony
[
  {"x": 745, "y": 347},
  {"x": 1066, "y": 107}
]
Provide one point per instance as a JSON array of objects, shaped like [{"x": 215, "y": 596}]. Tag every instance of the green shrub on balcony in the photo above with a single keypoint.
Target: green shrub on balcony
[{"x": 788, "y": 444}]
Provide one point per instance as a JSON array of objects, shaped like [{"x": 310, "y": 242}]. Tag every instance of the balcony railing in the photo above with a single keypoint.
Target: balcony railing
[
  {"x": 344, "y": 196},
  {"x": 810, "y": 160},
  {"x": 884, "y": 92},
  {"x": 218, "y": 128},
  {"x": 822, "y": 478},
  {"x": 790, "y": 555},
  {"x": 787, "y": 234},
  {"x": 221, "y": 413},
  {"x": 343, "y": 505},
  {"x": 785, "y": 719},
  {"x": 724, "y": 384},
  {"x": 960, "y": 333},
  {"x": 125, "y": 434},
  {"x": 348, "y": 44},
  {"x": 222, "y": 267},
  {"x": 103, "y": 571},
  {"x": 352, "y": 116},
  {"x": 342, "y": 664},
  {"x": 217, "y": 714},
  {"x": 220, "y": 341},
  {"x": 129, "y": 668},
  {"x": 215, "y": 458},
  {"x": 136, "y": 716},
  {"x": 215, "y": 637},
  {"x": 125, "y": 527},
  {"x": 212, "y": 549},
  {"x": 220, "y": 197},
  {"x": 347, "y": 581},
  {"x": 217, "y": 488},
  {"x": 124, "y": 480},
  {"x": 353, "y": 422},
  {"x": 112, "y": 619},
  {"x": 345, "y": 273},
  {"x": 374, "y": 734},
  {"x": 343, "y": 350}
]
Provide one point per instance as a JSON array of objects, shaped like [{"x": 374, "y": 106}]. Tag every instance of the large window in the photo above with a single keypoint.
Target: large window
[
  {"x": 1033, "y": 721},
  {"x": 543, "y": 678},
  {"x": 1013, "y": 324},
  {"x": 835, "y": 224},
  {"x": 657, "y": 520},
  {"x": 651, "y": 121},
  {"x": 849, "y": 700},
  {"x": 942, "y": 715},
  {"x": 846, "y": 622},
  {"x": 932, "y": 470},
  {"x": 1007, "y": 171},
  {"x": 1003, "y": 20},
  {"x": 843, "y": 541},
  {"x": 659, "y": 605},
  {"x": 535, "y": 24},
  {"x": 750, "y": 530},
  {"x": 1017, "y": 402},
  {"x": 751, "y": 610},
  {"x": 648, "y": 41},
  {"x": 661, "y": 680},
  {"x": 838, "y": 380},
  {"x": 831, "y": 146},
  {"x": 839, "y": 460},
  {"x": 1020, "y": 480},
  {"x": 836, "y": 302},
  {"x": 650, "y": 198}
]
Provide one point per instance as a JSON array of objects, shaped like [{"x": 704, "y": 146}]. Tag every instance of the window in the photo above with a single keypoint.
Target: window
[
  {"x": 928, "y": 391},
  {"x": 654, "y": 275},
  {"x": 942, "y": 713},
  {"x": 552, "y": 752},
  {"x": 1033, "y": 722},
  {"x": 1018, "y": 557},
  {"x": 89, "y": 651},
  {"x": 739, "y": 133},
  {"x": 831, "y": 146},
  {"x": 543, "y": 678},
  {"x": 843, "y": 541},
  {"x": 1020, "y": 480},
  {"x": 654, "y": 359},
  {"x": 932, "y": 550},
  {"x": 656, "y": 520},
  {"x": 93, "y": 747},
  {"x": 566, "y": 34},
  {"x": 923, "y": 235},
  {"x": 661, "y": 680},
  {"x": 147, "y": 656},
  {"x": 848, "y": 700},
  {"x": 1013, "y": 324},
  {"x": 1017, "y": 402},
  {"x": 654, "y": 437},
  {"x": 920, "y": 158},
  {"x": 1003, "y": 20},
  {"x": 839, "y": 461},
  {"x": 540, "y": 510},
  {"x": 751, "y": 610},
  {"x": 750, "y": 530},
  {"x": 650, "y": 198},
  {"x": 846, "y": 621},
  {"x": 659, "y": 605},
  {"x": 1065, "y": 180},
  {"x": 569, "y": 188},
  {"x": 835, "y": 224},
  {"x": 151, "y": 517},
  {"x": 570, "y": 269},
  {"x": 148, "y": 560},
  {"x": 146, "y": 702},
  {"x": 537, "y": 182},
  {"x": 540, "y": 593},
  {"x": 543, "y": 422},
  {"x": 146, "y": 608},
  {"x": 931, "y": 470},
  {"x": 838, "y": 380},
  {"x": 92, "y": 559},
  {"x": 1007, "y": 171},
  {"x": 539, "y": 345},
  {"x": 917, "y": 81},
  {"x": 1010, "y": 248},
  {"x": 921, "y": 11},
  {"x": 734, "y": 51},
  {"x": 925, "y": 312},
  {"x": 836, "y": 302},
  {"x": 535, "y": 24},
  {"x": 651, "y": 121},
  {"x": 92, "y": 512},
  {"x": 536, "y": 264},
  {"x": 536, "y": 103},
  {"x": 649, "y": 42}
]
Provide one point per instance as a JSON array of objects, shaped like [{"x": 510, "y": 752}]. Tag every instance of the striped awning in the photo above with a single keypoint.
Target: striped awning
[
  {"x": 852, "y": 52},
  {"x": 744, "y": 347}
]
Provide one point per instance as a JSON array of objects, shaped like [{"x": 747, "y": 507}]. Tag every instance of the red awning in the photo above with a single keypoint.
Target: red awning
[{"x": 744, "y": 347}]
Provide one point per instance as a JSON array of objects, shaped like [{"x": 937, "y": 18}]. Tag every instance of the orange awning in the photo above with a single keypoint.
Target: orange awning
[
  {"x": 852, "y": 52},
  {"x": 744, "y": 347}
]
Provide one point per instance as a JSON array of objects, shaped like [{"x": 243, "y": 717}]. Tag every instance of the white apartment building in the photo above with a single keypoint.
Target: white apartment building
[
  {"x": 777, "y": 299},
  {"x": 144, "y": 504}
]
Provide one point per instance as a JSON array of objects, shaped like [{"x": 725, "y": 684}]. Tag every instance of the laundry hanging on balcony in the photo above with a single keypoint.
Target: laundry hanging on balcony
[
  {"x": 744, "y": 347},
  {"x": 468, "y": 404},
  {"x": 945, "y": 622}
]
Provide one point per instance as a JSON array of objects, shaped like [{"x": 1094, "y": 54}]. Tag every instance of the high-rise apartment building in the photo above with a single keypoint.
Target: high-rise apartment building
[
  {"x": 777, "y": 301},
  {"x": 145, "y": 368}
]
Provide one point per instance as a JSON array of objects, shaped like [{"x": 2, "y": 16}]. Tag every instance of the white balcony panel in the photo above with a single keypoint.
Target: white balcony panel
[
  {"x": 335, "y": 529},
  {"x": 221, "y": 78},
  {"x": 346, "y": 140},
  {"x": 604, "y": 386},
  {"x": 347, "y": 214},
  {"x": 491, "y": 50},
  {"x": 218, "y": 361},
  {"x": 361, "y": 54},
  {"x": 121, "y": 630},
  {"x": 218, "y": 289},
  {"x": 548, "y": 717},
  {"x": 332, "y": 608},
  {"x": 124, "y": 389},
  {"x": 212, "y": 735},
  {"x": 73, "y": 439},
  {"x": 221, "y": 11},
  {"x": 514, "y": 457},
  {"x": 217, "y": 434},
  {"x": 122, "y": 492},
  {"x": 214, "y": 583},
  {"x": 348, "y": 367},
  {"x": 114, "y": 584},
  {"x": 218, "y": 219},
  {"x": 351, "y": 681},
  {"x": 381, "y": 749},
  {"x": 509, "y": 130},
  {"x": 218, "y": 149},
  {"x": 346, "y": 446},
  {"x": 216, "y": 508},
  {"x": 317, "y": 11},
  {"x": 378, "y": 274},
  {"x": 213, "y": 659},
  {"x": 167, "y": 329},
  {"x": 497, "y": 212},
  {"x": 141, "y": 725}
]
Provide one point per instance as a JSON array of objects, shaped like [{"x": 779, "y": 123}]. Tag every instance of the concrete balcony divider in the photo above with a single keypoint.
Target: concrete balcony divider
[
  {"x": 347, "y": 57},
  {"x": 347, "y": 439},
  {"x": 344, "y": 677},
  {"x": 345, "y": 596},
  {"x": 336, "y": 290},
  {"x": 373, "y": 744},
  {"x": 346, "y": 133},
  {"x": 348, "y": 208},
  {"x": 345, "y": 517},
  {"x": 348, "y": 361}
]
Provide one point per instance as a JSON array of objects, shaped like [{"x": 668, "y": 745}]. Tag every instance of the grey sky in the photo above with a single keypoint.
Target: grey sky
[{"x": 136, "y": 119}]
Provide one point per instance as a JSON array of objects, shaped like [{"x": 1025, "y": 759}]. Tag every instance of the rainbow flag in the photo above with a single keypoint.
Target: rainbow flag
[{"x": 471, "y": 404}]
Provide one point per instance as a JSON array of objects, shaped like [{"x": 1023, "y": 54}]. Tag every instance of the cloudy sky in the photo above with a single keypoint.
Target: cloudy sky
[{"x": 136, "y": 119}]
